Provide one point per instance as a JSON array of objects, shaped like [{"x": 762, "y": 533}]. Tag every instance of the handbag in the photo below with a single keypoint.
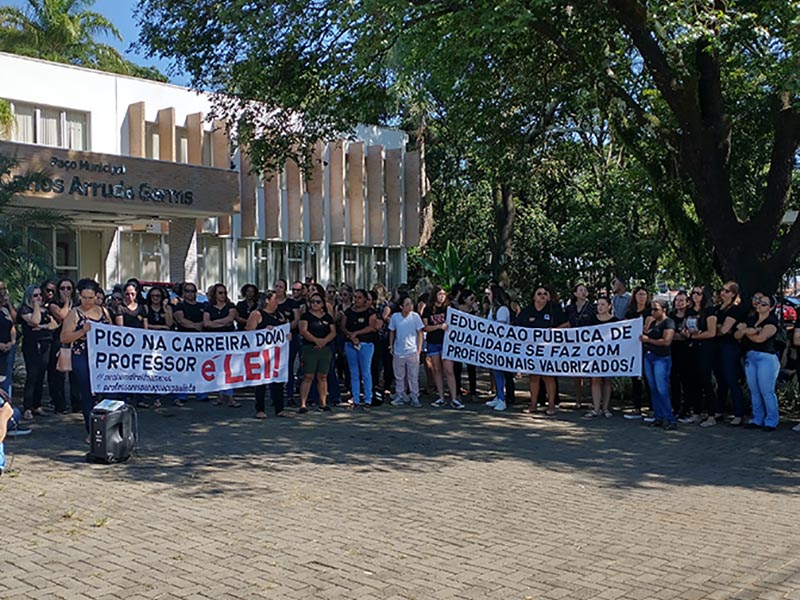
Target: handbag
[{"x": 64, "y": 359}]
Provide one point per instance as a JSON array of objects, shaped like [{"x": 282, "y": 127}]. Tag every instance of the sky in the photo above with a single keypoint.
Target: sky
[{"x": 120, "y": 13}]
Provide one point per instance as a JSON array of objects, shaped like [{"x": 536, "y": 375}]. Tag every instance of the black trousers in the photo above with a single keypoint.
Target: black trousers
[
  {"x": 275, "y": 393},
  {"x": 682, "y": 394},
  {"x": 701, "y": 365},
  {"x": 472, "y": 374},
  {"x": 56, "y": 382},
  {"x": 382, "y": 359},
  {"x": 37, "y": 357}
]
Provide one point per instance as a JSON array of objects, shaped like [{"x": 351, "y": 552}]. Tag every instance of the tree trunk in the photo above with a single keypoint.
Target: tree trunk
[{"x": 504, "y": 216}]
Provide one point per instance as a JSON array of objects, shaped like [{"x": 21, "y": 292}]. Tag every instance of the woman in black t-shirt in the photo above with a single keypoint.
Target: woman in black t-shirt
[
  {"x": 267, "y": 318},
  {"x": 684, "y": 403},
  {"x": 656, "y": 340},
  {"x": 36, "y": 339},
  {"x": 248, "y": 304},
  {"x": 317, "y": 329},
  {"x": 361, "y": 331},
  {"x": 700, "y": 329},
  {"x": 130, "y": 313},
  {"x": 158, "y": 313},
  {"x": 601, "y": 386},
  {"x": 219, "y": 316},
  {"x": 434, "y": 318},
  {"x": 728, "y": 357},
  {"x": 638, "y": 308},
  {"x": 762, "y": 363}
]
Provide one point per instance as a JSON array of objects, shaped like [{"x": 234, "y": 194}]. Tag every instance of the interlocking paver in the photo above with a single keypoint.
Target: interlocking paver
[{"x": 402, "y": 504}]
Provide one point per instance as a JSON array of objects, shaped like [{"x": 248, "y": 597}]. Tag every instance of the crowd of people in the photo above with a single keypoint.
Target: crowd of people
[{"x": 356, "y": 348}]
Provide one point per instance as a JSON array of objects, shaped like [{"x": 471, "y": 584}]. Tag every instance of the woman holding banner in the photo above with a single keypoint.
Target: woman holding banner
[
  {"x": 76, "y": 326},
  {"x": 267, "y": 318},
  {"x": 638, "y": 308},
  {"x": 435, "y": 320},
  {"x": 580, "y": 313},
  {"x": 541, "y": 314},
  {"x": 219, "y": 316},
  {"x": 601, "y": 386},
  {"x": 499, "y": 312},
  {"x": 657, "y": 339}
]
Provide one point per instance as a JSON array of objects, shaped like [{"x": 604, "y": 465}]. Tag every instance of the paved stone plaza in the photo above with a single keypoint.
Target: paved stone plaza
[{"x": 403, "y": 503}]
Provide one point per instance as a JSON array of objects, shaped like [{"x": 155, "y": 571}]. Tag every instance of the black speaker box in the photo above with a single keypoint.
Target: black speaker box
[{"x": 112, "y": 435}]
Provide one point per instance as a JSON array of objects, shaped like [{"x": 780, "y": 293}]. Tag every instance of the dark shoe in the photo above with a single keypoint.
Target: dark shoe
[
  {"x": 656, "y": 423},
  {"x": 768, "y": 428},
  {"x": 671, "y": 426},
  {"x": 326, "y": 408},
  {"x": 302, "y": 410},
  {"x": 752, "y": 426}
]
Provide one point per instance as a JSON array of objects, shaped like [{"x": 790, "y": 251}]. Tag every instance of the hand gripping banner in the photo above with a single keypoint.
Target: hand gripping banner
[
  {"x": 608, "y": 350},
  {"x": 140, "y": 361}
]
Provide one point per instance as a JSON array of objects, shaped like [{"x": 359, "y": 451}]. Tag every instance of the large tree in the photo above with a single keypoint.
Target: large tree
[
  {"x": 703, "y": 94},
  {"x": 66, "y": 31}
]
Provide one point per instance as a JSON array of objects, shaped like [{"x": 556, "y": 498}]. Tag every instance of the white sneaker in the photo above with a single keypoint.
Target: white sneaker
[
  {"x": 649, "y": 419},
  {"x": 415, "y": 402},
  {"x": 501, "y": 405},
  {"x": 438, "y": 403},
  {"x": 18, "y": 432},
  {"x": 457, "y": 404},
  {"x": 633, "y": 415},
  {"x": 493, "y": 402},
  {"x": 796, "y": 427}
]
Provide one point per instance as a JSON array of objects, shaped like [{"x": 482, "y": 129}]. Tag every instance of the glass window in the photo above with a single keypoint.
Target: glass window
[
  {"x": 337, "y": 273},
  {"x": 151, "y": 257},
  {"x": 181, "y": 145},
  {"x": 350, "y": 266},
  {"x": 50, "y": 134},
  {"x": 243, "y": 263},
  {"x": 66, "y": 249},
  {"x": 76, "y": 131},
  {"x": 129, "y": 259},
  {"x": 24, "y": 129},
  {"x": 210, "y": 261}
]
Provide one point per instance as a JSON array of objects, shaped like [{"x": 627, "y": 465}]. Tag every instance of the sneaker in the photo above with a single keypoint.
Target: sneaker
[
  {"x": 458, "y": 405},
  {"x": 399, "y": 401},
  {"x": 736, "y": 422},
  {"x": 768, "y": 428},
  {"x": 608, "y": 414},
  {"x": 633, "y": 415},
  {"x": 493, "y": 402},
  {"x": 16, "y": 432},
  {"x": 499, "y": 406},
  {"x": 326, "y": 408},
  {"x": 671, "y": 426},
  {"x": 752, "y": 425},
  {"x": 438, "y": 403},
  {"x": 591, "y": 414},
  {"x": 649, "y": 419},
  {"x": 655, "y": 422},
  {"x": 687, "y": 420},
  {"x": 796, "y": 427},
  {"x": 302, "y": 410},
  {"x": 709, "y": 422},
  {"x": 415, "y": 402}
]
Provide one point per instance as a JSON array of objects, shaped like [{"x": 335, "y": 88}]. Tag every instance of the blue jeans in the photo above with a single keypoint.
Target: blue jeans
[
  {"x": 500, "y": 383},
  {"x": 656, "y": 371},
  {"x": 727, "y": 369},
  {"x": 16, "y": 417},
  {"x": 761, "y": 369},
  {"x": 360, "y": 364}
]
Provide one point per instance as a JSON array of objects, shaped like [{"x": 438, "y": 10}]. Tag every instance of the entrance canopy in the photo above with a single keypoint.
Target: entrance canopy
[{"x": 82, "y": 184}]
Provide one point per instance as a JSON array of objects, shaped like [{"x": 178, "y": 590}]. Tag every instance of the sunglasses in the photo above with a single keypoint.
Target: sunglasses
[
  {"x": 697, "y": 293},
  {"x": 316, "y": 302},
  {"x": 190, "y": 291},
  {"x": 761, "y": 301},
  {"x": 39, "y": 295},
  {"x": 66, "y": 288}
]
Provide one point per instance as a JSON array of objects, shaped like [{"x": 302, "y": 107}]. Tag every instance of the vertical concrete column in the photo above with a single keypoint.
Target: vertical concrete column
[
  {"x": 294, "y": 191},
  {"x": 316, "y": 199},
  {"x": 336, "y": 191},
  {"x": 194, "y": 135},
  {"x": 137, "y": 131},
  {"x": 182, "y": 240},
  {"x": 247, "y": 189},
  {"x": 412, "y": 175},
  {"x": 355, "y": 200},
  {"x": 272, "y": 205},
  {"x": 220, "y": 151},
  {"x": 166, "y": 134},
  {"x": 375, "y": 195},
  {"x": 393, "y": 180}
]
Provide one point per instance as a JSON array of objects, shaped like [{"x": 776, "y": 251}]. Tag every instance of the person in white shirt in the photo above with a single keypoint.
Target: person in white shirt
[
  {"x": 500, "y": 313},
  {"x": 405, "y": 344}
]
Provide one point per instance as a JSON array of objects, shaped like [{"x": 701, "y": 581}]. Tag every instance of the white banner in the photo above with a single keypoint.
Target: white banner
[
  {"x": 139, "y": 361},
  {"x": 608, "y": 350}
]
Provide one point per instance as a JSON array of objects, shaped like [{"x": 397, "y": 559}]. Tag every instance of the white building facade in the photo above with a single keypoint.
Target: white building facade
[{"x": 154, "y": 190}]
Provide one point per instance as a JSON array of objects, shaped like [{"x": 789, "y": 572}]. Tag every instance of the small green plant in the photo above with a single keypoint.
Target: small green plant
[
  {"x": 6, "y": 119},
  {"x": 450, "y": 266}
]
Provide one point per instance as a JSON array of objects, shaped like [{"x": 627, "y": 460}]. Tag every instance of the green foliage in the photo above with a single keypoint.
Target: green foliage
[
  {"x": 6, "y": 119},
  {"x": 451, "y": 266},
  {"x": 65, "y": 31},
  {"x": 23, "y": 259}
]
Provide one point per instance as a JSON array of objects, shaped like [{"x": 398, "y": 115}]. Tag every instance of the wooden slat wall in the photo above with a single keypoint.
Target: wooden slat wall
[
  {"x": 413, "y": 194},
  {"x": 221, "y": 160},
  {"x": 166, "y": 134},
  {"x": 336, "y": 190},
  {"x": 393, "y": 173},
  {"x": 355, "y": 175},
  {"x": 375, "y": 195},
  {"x": 272, "y": 205},
  {"x": 194, "y": 134},
  {"x": 247, "y": 191},
  {"x": 294, "y": 191},
  {"x": 316, "y": 196}
]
